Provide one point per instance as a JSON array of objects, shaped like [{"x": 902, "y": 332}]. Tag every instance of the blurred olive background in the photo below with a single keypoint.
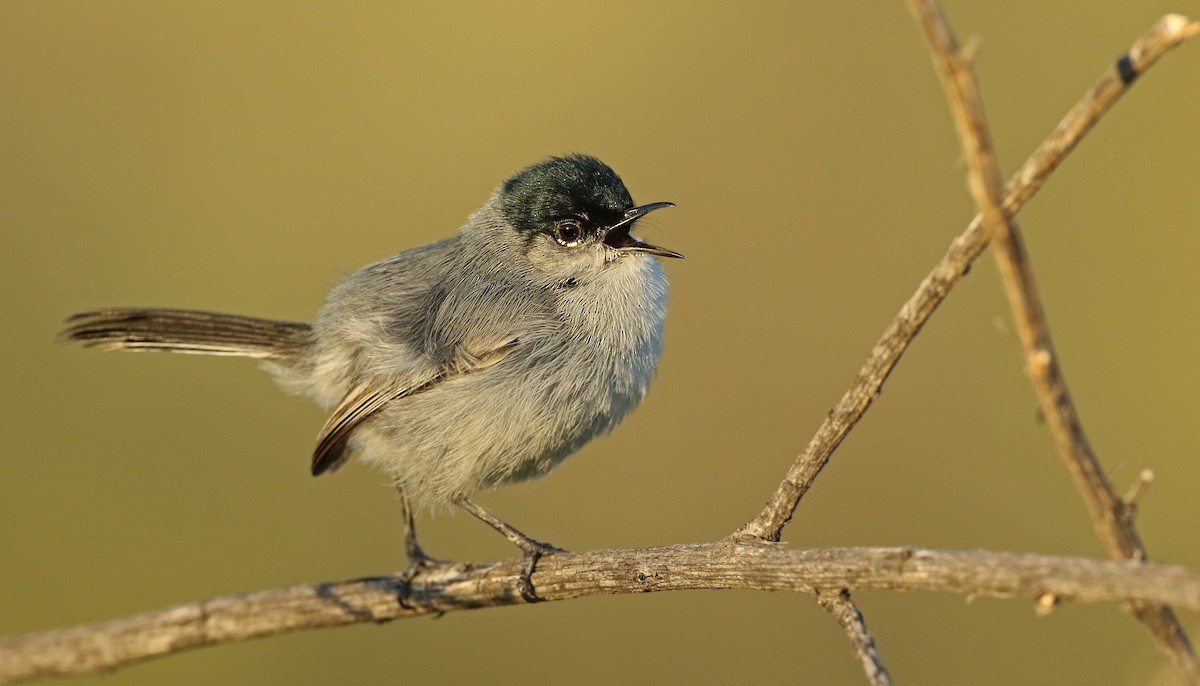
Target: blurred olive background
[{"x": 242, "y": 156}]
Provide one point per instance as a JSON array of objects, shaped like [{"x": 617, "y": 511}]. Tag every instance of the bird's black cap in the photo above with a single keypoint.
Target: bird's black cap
[{"x": 575, "y": 185}]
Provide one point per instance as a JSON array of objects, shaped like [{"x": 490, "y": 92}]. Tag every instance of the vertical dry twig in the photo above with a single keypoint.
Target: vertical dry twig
[
  {"x": 1108, "y": 510},
  {"x": 1167, "y": 33},
  {"x": 843, "y": 609}
]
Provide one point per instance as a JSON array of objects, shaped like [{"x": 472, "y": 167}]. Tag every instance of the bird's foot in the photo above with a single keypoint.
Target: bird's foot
[{"x": 534, "y": 551}]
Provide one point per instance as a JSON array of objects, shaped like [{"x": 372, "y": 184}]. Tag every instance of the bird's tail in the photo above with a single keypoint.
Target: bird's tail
[{"x": 187, "y": 331}]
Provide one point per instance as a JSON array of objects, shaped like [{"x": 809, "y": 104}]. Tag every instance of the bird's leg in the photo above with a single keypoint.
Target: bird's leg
[
  {"x": 534, "y": 549},
  {"x": 417, "y": 557}
]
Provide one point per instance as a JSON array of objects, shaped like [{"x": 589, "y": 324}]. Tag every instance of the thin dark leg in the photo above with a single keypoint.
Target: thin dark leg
[
  {"x": 418, "y": 559},
  {"x": 416, "y": 554},
  {"x": 534, "y": 549}
]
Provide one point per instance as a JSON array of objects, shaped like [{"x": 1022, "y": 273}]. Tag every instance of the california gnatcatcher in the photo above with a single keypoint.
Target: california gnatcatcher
[{"x": 481, "y": 359}]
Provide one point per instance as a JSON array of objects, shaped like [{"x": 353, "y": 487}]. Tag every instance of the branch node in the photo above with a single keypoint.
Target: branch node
[
  {"x": 969, "y": 51},
  {"x": 1045, "y": 604},
  {"x": 1040, "y": 361},
  {"x": 1137, "y": 490},
  {"x": 1126, "y": 69},
  {"x": 1179, "y": 27}
]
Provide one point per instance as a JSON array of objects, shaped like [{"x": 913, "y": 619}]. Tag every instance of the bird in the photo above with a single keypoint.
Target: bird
[{"x": 481, "y": 359}]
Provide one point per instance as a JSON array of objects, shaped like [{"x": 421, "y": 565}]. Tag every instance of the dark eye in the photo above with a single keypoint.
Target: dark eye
[{"x": 568, "y": 232}]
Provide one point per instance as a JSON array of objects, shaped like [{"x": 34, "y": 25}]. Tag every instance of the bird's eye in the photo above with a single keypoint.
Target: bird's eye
[{"x": 568, "y": 232}]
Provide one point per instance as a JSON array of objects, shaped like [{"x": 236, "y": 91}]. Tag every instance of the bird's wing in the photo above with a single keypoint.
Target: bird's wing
[{"x": 369, "y": 395}]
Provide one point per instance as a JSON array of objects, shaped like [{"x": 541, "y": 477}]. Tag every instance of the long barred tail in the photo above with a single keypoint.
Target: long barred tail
[{"x": 187, "y": 331}]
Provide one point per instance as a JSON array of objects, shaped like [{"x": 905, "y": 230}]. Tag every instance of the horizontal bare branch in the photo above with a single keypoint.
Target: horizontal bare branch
[{"x": 720, "y": 565}]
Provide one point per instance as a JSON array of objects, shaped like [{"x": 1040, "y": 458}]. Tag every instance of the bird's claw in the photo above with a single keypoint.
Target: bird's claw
[{"x": 534, "y": 551}]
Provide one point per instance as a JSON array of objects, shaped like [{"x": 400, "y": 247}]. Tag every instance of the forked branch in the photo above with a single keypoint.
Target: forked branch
[
  {"x": 1109, "y": 512},
  {"x": 1167, "y": 33}
]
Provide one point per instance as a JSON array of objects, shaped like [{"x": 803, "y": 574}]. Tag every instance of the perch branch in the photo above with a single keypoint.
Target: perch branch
[
  {"x": 445, "y": 587},
  {"x": 768, "y": 525},
  {"x": 843, "y": 609},
  {"x": 1113, "y": 526}
]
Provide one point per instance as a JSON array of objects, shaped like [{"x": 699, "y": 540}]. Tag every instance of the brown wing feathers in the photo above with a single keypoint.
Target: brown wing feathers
[{"x": 366, "y": 398}]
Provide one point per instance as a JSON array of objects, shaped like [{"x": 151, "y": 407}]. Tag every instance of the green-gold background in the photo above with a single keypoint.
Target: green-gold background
[{"x": 241, "y": 156}]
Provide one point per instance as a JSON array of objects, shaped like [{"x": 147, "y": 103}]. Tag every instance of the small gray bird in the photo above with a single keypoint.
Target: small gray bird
[{"x": 481, "y": 359}]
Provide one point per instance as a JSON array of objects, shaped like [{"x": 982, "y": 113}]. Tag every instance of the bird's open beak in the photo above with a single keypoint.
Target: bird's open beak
[{"x": 617, "y": 236}]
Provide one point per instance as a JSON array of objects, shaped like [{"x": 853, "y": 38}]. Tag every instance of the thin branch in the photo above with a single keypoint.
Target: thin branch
[
  {"x": 1113, "y": 526},
  {"x": 843, "y": 609},
  {"x": 768, "y": 525},
  {"x": 1137, "y": 490},
  {"x": 445, "y": 587}
]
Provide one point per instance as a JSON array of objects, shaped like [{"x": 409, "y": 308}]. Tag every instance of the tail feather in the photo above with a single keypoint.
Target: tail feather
[{"x": 187, "y": 331}]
